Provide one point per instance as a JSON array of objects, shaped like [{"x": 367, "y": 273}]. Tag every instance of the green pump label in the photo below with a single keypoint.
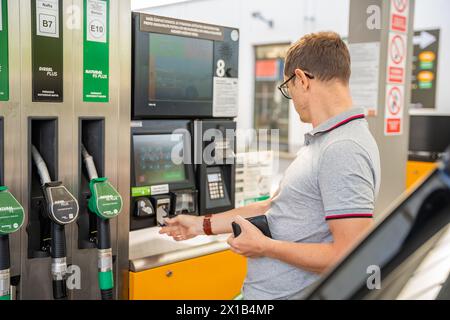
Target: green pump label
[
  {"x": 96, "y": 51},
  {"x": 11, "y": 213},
  {"x": 105, "y": 201},
  {"x": 4, "y": 60},
  {"x": 47, "y": 50}
]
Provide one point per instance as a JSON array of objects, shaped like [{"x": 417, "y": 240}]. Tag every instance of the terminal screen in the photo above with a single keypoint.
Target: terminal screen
[
  {"x": 157, "y": 159},
  {"x": 181, "y": 69}
]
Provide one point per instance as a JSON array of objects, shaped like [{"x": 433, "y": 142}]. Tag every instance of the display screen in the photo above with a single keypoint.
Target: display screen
[
  {"x": 429, "y": 133},
  {"x": 181, "y": 69},
  {"x": 214, "y": 177},
  {"x": 153, "y": 159}
]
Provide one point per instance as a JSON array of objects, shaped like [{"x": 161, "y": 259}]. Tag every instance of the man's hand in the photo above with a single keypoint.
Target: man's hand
[
  {"x": 251, "y": 243},
  {"x": 183, "y": 227}
]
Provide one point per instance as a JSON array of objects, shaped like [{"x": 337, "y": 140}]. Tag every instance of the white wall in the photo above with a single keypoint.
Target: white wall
[
  {"x": 290, "y": 23},
  {"x": 434, "y": 14},
  {"x": 138, "y": 4},
  {"x": 292, "y": 19}
]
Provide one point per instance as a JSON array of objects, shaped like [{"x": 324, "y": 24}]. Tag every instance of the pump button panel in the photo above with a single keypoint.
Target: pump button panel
[{"x": 215, "y": 185}]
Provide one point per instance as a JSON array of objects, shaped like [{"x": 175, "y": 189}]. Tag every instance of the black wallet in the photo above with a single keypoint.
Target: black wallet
[{"x": 260, "y": 222}]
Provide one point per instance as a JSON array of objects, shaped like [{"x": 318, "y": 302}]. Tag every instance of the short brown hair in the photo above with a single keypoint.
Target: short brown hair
[{"x": 325, "y": 55}]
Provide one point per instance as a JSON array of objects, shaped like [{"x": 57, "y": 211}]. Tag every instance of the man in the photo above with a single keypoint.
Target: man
[{"x": 326, "y": 199}]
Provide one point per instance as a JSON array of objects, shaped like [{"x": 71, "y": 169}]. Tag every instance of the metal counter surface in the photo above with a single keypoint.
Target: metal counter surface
[{"x": 149, "y": 249}]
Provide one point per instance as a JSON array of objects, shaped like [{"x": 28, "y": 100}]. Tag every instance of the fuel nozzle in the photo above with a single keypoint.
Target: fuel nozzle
[
  {"x": 105, "y": 200},
  {"x": 62, "y": 209},
  {"x": 106, "y": 203},
  {"x": 11, "y": 220}
]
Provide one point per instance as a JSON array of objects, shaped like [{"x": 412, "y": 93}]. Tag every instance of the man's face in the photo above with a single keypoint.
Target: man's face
[{"x": 300, "y": 97}]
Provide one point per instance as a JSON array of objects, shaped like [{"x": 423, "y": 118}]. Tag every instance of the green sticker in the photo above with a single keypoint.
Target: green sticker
[
  {"x": 258, "y": 199},
  {"x": 96, "y": 51},
  {"x": 11, "y": 213},
  {"x": 426, "y": 85},
  {"x": 4, "y": 54},
  {"x": 426, "y": 65},
  {"x": 105, "y": 201},
  {"x": 141, "y": 192}
]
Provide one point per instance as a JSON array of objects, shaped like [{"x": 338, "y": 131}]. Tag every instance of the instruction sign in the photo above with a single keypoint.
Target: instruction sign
[
  {"x": 47, "y": 18},
  {"x": 254, "y": 177},
  {"x": 425, "y": 68},
  {"x": 395, "y": 105},
  {"x": 176, "y": 27},
  {"x": 4, "y": 53},
  {"x": 96, "y": 51},
  {"x": 364, "y": 80},
  {"x": 225, "y": 100},
  {"x": 47, "y": 50}
]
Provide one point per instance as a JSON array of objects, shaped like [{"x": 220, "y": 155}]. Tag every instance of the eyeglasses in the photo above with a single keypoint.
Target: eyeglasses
[{"x": 284, "y": 88}]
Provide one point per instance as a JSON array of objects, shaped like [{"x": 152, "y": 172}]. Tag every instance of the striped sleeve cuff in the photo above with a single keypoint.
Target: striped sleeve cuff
[{"x": 349, "y": 215}]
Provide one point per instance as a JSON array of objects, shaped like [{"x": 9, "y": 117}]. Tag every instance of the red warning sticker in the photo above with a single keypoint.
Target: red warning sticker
[
  {"x": 400, "y": 5},
  {"x": 393, "y": 126},
  {"x": 399, "y": 15},
  {"x": 395, "y": 101},
  {"x": 396, "y": 67},
  {"x": 395, "y": 106},
  {"x": 397, "y": 58}
]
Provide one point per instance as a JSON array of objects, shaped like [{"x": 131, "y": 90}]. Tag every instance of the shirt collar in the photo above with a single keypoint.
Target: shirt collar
[{"x": 338, "y": 121}]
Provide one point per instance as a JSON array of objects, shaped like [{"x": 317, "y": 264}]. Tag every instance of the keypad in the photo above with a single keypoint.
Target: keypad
[{"x": 216, "y": 189}]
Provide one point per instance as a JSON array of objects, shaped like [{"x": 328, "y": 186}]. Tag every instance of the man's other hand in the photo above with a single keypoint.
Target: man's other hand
[{"x": 251, "y": 243}]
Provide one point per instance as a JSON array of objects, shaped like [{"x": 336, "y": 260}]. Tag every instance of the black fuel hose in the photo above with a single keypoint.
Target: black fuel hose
[
  {"x": 59, "y": 264},
  {"x": 5, "y": 264}
]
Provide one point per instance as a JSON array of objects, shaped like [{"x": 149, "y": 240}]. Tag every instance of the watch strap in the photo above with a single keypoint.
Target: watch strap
[{"x": 207, "y": 229}]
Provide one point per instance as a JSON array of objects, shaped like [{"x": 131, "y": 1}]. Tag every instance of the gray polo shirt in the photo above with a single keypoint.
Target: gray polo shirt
[{"x": 336, "y": 175}]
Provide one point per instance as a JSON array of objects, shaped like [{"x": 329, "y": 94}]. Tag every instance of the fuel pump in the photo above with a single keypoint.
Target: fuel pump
[
  {"x": 62, "y": 209},
  {"x": 11, "y": 220},
  {"x": 106, "y": 203}
]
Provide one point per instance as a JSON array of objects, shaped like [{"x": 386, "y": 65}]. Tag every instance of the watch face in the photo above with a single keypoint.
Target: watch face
[{"x": 63, "y": 207}]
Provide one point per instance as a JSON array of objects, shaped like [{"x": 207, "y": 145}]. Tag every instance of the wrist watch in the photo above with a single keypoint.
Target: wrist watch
[{"x": 207, "y": 229}]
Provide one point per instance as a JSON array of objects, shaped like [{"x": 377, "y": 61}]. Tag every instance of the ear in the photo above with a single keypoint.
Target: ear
[{"x": 304, "y": 80}]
